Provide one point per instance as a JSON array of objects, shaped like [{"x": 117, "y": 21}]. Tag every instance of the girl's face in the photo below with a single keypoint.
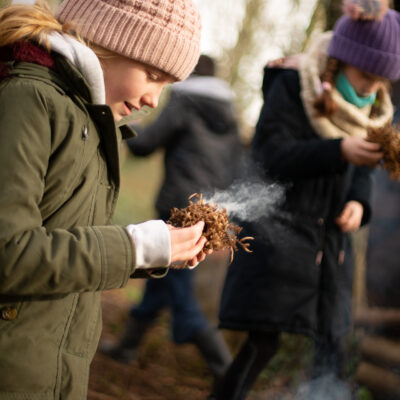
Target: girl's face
[
  {"x": 131, "y": 85},
  {"x": 363, "y": 82}
]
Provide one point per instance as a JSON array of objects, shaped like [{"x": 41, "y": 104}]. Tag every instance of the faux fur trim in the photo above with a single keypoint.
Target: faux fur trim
[
  {"x": 348, "y": 120},
  {"x": 24, "y": 51}
]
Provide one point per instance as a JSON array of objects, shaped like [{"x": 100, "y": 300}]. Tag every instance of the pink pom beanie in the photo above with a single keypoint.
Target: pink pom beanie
[{"x": 161, "y": 33}]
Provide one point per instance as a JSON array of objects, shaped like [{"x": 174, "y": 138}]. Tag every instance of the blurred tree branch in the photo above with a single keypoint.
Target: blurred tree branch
[{"x": 4, "y": 3}]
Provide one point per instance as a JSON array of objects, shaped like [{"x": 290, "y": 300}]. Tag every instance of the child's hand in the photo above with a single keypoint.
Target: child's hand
[
  {"x": 289, "y": 62},
  {"x": 359, "y": 151},
  {"x": 350, "y": 218},
  {"x": 187, "y": 244}
]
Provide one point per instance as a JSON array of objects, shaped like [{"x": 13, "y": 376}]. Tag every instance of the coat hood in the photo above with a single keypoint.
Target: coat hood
[{"x": 211, "y": 98}]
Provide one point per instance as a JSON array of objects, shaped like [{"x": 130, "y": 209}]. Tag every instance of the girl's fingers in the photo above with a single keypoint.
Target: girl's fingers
[
  {"x": 199, "y": 246},
  {"x": 370, "y": 146},
  {"x": 198, "y": 226},
  {"x": 372, "y": 158},
  {"x": 345, "y": 215},
  {"x": 351, "y": 216},
  {"x": 187, "y": 243}
]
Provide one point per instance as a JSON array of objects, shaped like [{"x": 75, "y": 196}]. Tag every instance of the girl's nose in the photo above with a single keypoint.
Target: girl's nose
[{"x": 151, "y": 99}]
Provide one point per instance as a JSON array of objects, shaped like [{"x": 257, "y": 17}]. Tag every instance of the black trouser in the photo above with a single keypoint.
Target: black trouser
[
  {"x": 329, "y": 358},
  {"x": 254, "y": 355}
]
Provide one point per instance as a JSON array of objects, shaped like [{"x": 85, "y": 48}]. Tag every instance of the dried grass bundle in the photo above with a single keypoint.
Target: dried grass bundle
[
  {"x": 389, "y": 139},
  {"x": 219, "y": 232}
]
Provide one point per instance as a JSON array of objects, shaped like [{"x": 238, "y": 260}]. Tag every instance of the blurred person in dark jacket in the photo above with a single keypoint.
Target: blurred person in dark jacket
[
  {"x": 311, "y": 137},
  {"x": 199, "y": 132}
]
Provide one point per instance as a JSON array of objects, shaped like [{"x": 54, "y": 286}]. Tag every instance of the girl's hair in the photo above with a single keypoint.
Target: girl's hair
[
  {"x": 101, "y": 52},
  {"x": 324, "y": 105},
  {"x": 21, "y": 22}
]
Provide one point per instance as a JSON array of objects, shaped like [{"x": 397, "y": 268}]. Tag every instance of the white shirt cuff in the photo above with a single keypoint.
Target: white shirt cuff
[{"x": 152, "y": 242}]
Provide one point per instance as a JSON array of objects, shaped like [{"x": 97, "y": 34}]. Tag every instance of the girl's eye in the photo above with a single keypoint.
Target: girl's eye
[{"x": 153, "y": 76}]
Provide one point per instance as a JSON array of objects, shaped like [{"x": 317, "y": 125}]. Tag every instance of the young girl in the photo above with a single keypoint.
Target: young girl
[
  {"x": 61, "y": 100},
  {"x": 311, "y": 138}
]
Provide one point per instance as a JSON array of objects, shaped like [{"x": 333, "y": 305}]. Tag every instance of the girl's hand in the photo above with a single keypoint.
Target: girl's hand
[
  {"x": 187, "y": 244},
  {"x": 359, "y": 151},
  {"x": 289, "y": 62},
  {"x": 350, "y": 218}
]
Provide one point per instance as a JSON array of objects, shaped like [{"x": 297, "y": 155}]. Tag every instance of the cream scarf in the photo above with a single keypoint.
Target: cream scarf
[{"x": 348, "y": 120}]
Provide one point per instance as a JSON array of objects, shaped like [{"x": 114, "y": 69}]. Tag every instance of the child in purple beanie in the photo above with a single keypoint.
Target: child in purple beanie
[{"x": 311, "y": 138}]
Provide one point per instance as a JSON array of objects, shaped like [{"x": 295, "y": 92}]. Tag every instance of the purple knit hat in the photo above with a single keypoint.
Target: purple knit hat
[{"x": 370, "y": 45}]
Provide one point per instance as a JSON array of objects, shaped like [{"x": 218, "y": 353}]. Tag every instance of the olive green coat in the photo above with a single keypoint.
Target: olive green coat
[{"x": 59, "y": 180}]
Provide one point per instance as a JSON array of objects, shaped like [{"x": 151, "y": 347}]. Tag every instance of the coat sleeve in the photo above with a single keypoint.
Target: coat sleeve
[
  {"x": 35, "y": 261},
  {"x": 161, "y": 132},
  {"x": 282, "y": 146}
]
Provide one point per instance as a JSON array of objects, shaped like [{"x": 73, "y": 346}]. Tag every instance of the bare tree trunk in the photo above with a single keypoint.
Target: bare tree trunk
[
  {"x": 383, "y": 383},
  {"x": 245, "y": 41},
  {"x": 333, "y": 11},
  {"x": 325, "y": 15},
  {"x": 232, "y": 61}
]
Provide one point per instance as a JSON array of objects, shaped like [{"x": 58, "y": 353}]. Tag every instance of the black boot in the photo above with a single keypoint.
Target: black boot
[
  {"x": 126, "y": 349},
  {"x": 215, "y": 352}
]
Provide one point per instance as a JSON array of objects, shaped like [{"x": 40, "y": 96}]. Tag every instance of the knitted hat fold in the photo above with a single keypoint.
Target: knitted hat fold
[{"x": 161, "y": 33}]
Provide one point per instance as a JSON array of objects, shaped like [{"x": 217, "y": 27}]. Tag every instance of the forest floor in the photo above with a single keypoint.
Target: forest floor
[{"x": 167, "y": 371}]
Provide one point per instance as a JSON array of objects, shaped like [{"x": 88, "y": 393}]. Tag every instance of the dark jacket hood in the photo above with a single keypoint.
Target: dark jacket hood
[{"x": 211, "y": 98}]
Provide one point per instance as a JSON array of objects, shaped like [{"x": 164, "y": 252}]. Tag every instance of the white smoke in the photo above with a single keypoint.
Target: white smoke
[
  {"x": 248, "y": 201},
  {"x": 327, "y": 387}
]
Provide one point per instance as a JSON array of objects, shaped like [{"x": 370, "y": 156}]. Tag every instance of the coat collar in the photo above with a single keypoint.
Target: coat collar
[{"x": 84, "y": 60}]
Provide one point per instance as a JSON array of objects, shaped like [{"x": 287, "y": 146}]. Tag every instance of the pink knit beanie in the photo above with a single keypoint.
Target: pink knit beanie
[{"x": 161, "y": 33}]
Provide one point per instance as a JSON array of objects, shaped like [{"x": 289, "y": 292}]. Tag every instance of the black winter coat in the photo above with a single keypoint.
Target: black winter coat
[
  {"x": 285, "y": 285},
  {"x": 199, "y": 133}
]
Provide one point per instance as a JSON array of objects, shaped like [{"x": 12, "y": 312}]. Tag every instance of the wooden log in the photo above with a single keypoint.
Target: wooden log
[
  {"x": 380, "y": 381},
  {"x": 375, "y": 319},
  {"x": 381, "y": 351}
]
